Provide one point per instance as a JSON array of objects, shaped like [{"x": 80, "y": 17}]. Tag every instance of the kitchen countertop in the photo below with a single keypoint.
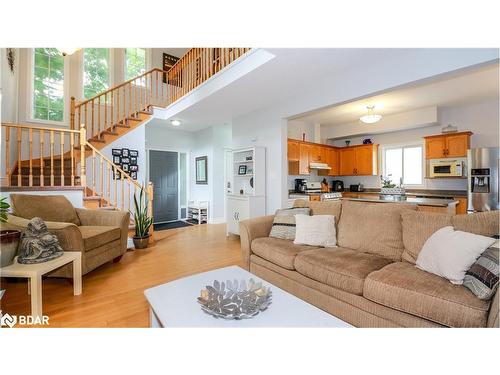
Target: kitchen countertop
[
  {"x": 436, "y": 202},
  {"x": 409, "y": 192}
]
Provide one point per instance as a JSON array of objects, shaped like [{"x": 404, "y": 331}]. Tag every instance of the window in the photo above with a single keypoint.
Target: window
[
  {"x": 95, "y": 71},
  {"x": 404, "y": 163},
  {"x": 48, "y": 84},
  {"x": 135, "y": 62}
]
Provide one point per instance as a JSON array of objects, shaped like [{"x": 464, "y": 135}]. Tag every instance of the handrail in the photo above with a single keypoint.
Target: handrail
[
  {"x": 79, "y": 104},
  {"x": 12, "y": 125}
]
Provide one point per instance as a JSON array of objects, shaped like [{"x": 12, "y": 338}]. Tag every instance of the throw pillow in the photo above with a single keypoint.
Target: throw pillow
[
  {"x": 284, "y": 223},
  {"x": 316, "y": 230},
  {"x": 482, "y": 277},
  {"x": 449, "y": 253}
]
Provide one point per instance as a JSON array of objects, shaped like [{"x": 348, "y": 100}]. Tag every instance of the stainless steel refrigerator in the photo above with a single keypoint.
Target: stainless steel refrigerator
[{"x": 483, "y": 166}]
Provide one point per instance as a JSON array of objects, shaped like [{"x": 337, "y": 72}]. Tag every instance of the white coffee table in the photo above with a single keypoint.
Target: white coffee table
[
  {"x": 34, "y": 273},
  {"x": 174, "y": 304}
]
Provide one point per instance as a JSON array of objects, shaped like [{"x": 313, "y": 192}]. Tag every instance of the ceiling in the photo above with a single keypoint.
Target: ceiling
[
  {"x": 467, "y": 87},
  {"x": 287, "y": 74}
]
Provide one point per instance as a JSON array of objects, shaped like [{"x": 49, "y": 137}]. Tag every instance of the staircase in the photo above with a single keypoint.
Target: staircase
[{"x": 52, "y": 157}]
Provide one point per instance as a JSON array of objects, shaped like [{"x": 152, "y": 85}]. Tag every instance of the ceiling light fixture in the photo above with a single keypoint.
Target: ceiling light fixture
[
  {"x": 175, "y": 122},
  {"x": 68, "y": 51},
  {"x": 370, "y": 117}
]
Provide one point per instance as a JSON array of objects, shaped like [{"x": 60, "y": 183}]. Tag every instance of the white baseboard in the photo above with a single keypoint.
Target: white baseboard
[{"x": 216, "y": 220}]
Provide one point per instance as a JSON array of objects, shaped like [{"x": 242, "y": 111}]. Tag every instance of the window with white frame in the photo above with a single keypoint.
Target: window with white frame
[
  {"x": 404, "y": 163},
  {"x": 95, "y": 71},
  {"x": 48, "y": 85},
  {"x": 135, "y": 62}
]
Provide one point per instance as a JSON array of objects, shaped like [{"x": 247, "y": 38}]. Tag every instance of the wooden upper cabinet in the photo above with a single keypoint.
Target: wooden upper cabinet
[
  {"x": 332, "y": 159},
  {"x": 457, "y": 145},
  {"x": 304, "y": 151},
  {"x": 366, "y": 160},
  {"x": 358, "y": 160},
  {"x": 347, "y": 161},
  {"x": 452, "y": 145},
  {"x": 318, "y": 154},
  {"x": 293, "y": 150}
]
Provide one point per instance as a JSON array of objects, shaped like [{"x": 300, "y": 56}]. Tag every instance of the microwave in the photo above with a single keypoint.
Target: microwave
[{"x": 446, "y": 168}]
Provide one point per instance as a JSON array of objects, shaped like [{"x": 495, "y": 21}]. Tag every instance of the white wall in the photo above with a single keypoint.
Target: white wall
[
  {"x": 74, "y": 196},
  {"x": 267, "y": 127}
]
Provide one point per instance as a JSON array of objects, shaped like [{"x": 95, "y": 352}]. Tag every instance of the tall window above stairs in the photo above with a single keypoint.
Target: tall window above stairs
[
  {"x": 48, "y": 85},
  {"x": 135, "y": 62},
  {"x": 96, "y": 77}
]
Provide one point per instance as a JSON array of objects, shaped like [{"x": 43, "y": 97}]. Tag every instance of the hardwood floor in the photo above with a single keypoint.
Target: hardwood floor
[{"x": 113, "y": 294}]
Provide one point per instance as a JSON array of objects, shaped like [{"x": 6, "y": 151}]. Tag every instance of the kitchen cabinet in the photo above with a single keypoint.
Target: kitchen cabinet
[
  {"x": 332, "y": 159},
  {"x": 315, "y": 198},
  {"x": 317, "y": 154},
  {"x": 461, "y": 207},
  {"x": 453, "y": 145},
  {"x": 358, "y": 160},
  {"x": 240, "y": 208},
  {"x": 304, "y": 151},
  {"x": 293, "y": 150}
]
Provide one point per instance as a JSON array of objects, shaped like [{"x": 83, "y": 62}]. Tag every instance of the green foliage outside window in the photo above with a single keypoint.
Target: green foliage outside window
[
  {"x": 48, "y": 84},
  {"x": 135, "y": 63},
  {"x": 95, "y": 71}
]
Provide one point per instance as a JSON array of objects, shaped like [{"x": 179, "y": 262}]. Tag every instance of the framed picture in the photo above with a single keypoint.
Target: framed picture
[
  {"x": 201, "y": 170},
  {"x": 168, "y": 62},
  {"x": 126, "y": 168},
  {"x": 125, "y": 152},
  {"x": 117, "y": 159},
  {"x": 117, "y": 175},
  {"x": 242, "y": 170},
  {"x": 125, "y": 160},
  {"x": 133, "y": 175},
  {"x": 134, "y": 153},
  {"x": 134, "y": 168},
  {"x": 116, "y": 151},
  {"x": 133, "y": 159}
]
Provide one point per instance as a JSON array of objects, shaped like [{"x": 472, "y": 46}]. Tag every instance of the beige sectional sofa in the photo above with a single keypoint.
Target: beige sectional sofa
[{"x": 370, "y": 279}]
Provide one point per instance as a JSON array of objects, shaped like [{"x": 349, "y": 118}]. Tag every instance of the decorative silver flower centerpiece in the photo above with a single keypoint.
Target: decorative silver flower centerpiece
[{"x": 233, "y": 300}]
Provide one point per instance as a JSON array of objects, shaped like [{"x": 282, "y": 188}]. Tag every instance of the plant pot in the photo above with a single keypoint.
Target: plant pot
[
  {"x": 141, "y": 242},
  {"x": 9, "y": 240}
]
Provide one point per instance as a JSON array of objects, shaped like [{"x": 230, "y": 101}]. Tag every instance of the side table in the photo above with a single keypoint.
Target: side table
[{"x": 34, "y": 273}]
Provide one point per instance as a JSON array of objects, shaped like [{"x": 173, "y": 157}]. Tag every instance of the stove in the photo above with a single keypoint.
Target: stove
[
  {"x": 313, "y": 187},
  {"x": 334, "y": 196}
]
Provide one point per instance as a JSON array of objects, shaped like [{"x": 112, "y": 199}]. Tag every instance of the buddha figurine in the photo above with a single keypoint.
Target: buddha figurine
[{"x": 37, "y": 244}]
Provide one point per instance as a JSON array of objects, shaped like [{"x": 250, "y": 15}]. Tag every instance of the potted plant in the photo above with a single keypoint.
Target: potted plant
[
  {"x": 142, "y": 221},
  {"x": 9, "y": 238}
]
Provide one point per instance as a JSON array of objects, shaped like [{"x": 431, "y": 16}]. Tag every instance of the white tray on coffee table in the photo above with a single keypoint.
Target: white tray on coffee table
[{"x": 175, "y": 304}]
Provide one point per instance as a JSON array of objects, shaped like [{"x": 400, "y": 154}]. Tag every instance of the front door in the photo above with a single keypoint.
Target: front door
[{"x": 164, "y": 173}]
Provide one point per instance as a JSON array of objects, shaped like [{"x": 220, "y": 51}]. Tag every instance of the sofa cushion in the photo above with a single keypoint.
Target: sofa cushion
[
  {"x": 372, "y": 228},
  {"x": 321, "y": 208},
  {"x": 340, "y": 268},
  {"x": 284, "y": 225},
  {"x": 95, "y": 236},
  {"x": 48, "y": 207},
  {"x": 482, "y": 223},
  {"x": 404, "y": 287},
  {"x": 417, "y": 228},
  {"x": 278, "y": 251}
]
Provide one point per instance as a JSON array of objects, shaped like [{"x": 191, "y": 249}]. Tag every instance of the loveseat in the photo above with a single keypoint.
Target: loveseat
[
  {"x": 100, "y": 235},
  {"x": 370, "y": 278}
]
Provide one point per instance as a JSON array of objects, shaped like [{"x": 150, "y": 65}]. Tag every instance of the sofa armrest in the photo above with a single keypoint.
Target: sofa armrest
[
  {"x": 251, "y": 229},
  {"x": 112, "y": 218},
  {"x": 494, "y": 309},
  {"x": 68, "y": 234}
]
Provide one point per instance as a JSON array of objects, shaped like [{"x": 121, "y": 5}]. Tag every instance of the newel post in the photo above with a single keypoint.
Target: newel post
[
  {"x": 83, "y": 168},
  {"x": 149, "y": 197}
]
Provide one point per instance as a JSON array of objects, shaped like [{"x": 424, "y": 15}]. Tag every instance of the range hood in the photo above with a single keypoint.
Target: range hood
[{"x": 319, "y": 166}]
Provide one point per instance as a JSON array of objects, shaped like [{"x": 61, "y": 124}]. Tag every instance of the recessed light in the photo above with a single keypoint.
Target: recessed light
[
  {"x": 370, "y": 117},
  {"x": 175, "y": 122}
]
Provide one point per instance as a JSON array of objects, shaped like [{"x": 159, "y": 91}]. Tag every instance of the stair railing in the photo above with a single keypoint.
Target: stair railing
[
  {"x": 39, "y": 156},
  {"x": 156, "y": 87}
]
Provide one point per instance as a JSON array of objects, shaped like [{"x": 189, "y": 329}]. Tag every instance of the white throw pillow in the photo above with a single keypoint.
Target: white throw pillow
[
  {"x": 450, "y": 253},
  {"x": 316, "y": 230}
]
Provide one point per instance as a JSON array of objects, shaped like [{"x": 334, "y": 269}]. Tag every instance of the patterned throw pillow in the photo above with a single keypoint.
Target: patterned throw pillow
[
  {"x": 482, "y": 277},
  {"x": 284, "y": 222}
]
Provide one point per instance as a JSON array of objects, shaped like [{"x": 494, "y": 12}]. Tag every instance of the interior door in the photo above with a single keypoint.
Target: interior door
[{"x": 164, "y": 173}]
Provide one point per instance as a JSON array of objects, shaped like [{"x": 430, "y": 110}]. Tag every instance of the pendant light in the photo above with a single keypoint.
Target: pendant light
[{"x": 370, "y": 117}]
